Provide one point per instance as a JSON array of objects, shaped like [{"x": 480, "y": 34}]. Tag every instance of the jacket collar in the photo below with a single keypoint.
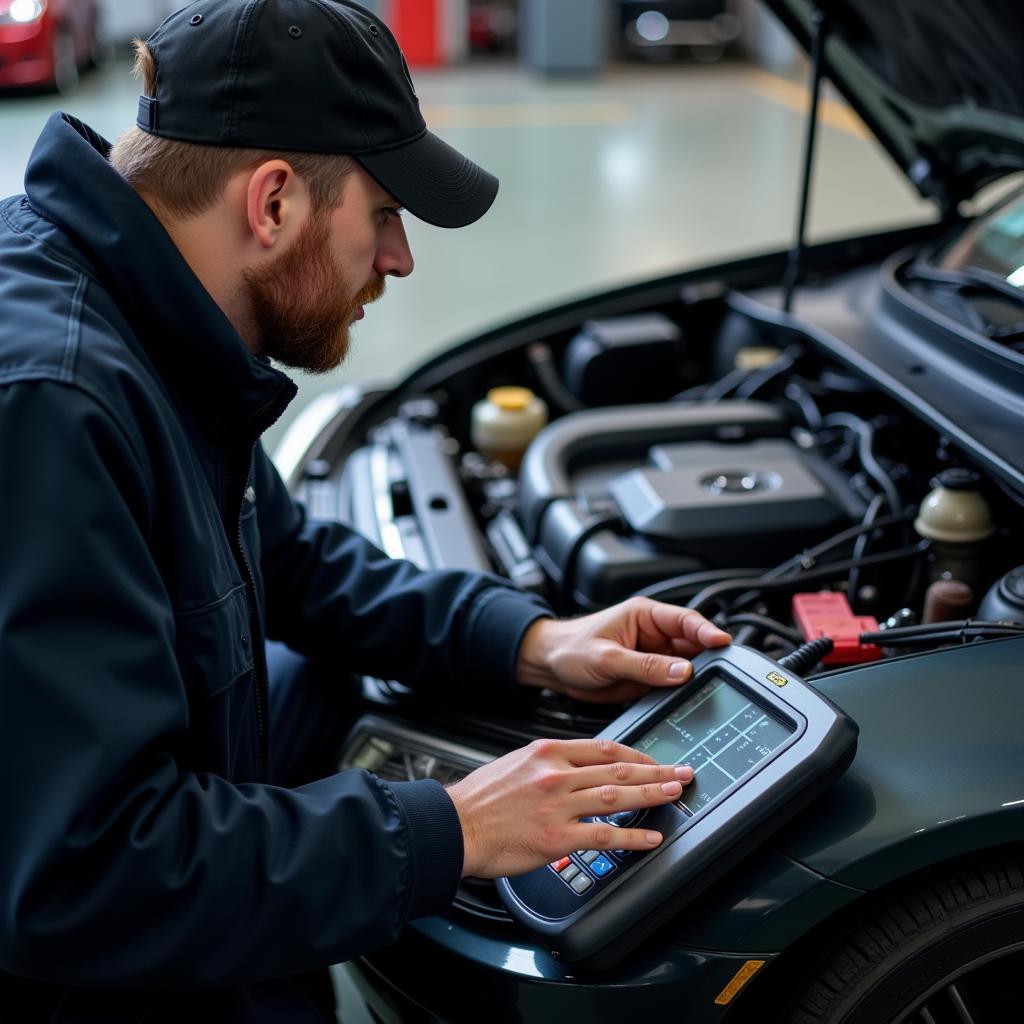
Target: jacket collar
[{"x": 70, "y": 181}]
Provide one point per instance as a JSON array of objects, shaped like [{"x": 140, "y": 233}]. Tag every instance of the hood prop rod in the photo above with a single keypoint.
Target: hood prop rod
[{"x": 819, "y": 30}]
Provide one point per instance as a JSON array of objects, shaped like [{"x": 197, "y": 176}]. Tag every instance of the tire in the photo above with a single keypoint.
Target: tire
[{"x": 948, "y": 948}]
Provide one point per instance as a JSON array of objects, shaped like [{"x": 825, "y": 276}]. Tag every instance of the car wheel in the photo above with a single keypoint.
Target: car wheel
[
  {"x": 950, "y": 948},
  {"x": 65, "y": 63}
]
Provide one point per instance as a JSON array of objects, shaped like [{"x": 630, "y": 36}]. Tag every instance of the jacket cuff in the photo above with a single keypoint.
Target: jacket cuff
[
  {"x": 436, "y": 850},
  {"x": 493, "y": 634}
]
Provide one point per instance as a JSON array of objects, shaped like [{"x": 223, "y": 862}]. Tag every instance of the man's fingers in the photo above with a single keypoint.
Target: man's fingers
[
  {"x": 608, "y": 799},
  {"x": 600, "y": 836},
  {"x": 597, "y": 751},
  {"x": 687, "y": 624},
  {"x": 646, "y": 668},
  {"x": 626, "y": 773}
]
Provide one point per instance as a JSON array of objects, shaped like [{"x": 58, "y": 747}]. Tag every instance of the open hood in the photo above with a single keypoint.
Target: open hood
[{"x": 939, "y": 82}]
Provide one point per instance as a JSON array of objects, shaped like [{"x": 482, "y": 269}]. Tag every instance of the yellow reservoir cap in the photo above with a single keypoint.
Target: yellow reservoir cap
[{"x": 510, "y": 397}]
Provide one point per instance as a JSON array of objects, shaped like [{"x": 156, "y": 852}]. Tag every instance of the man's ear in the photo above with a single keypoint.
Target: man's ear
[{"x": 277, "y": 203}]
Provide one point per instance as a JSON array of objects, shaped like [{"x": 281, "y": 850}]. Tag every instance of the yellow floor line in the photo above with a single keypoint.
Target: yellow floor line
[
  {"x": 797, "y": 97},
  {"x": 500, "y": 115}
]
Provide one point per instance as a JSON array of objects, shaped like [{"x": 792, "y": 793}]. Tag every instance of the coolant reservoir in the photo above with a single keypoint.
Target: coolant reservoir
[
  {"x": 505, "y": 422},
  {"x": 954, "y": 512},
  {"x": 957, "y": 518}
]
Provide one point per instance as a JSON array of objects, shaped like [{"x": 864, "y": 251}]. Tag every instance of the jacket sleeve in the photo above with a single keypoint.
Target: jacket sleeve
[
  {"x": 331, "y": 593},
  {"x": 118, "y": 867}
]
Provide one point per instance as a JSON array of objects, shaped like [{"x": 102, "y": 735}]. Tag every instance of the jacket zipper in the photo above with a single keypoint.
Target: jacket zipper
[{"x": 258, "y": 660}]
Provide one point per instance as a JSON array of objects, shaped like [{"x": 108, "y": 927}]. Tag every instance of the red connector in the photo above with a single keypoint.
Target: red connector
[{"x": 829, "y": 614}]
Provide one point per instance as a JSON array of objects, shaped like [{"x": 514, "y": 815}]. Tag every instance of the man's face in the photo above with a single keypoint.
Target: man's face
[{"x": 304, "y": 302}]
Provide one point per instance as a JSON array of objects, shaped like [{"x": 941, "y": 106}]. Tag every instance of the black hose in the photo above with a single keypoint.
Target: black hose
[
  {"x": 804, "y": 401},
  {"x": 804, "y": 658},
  {"x": 596, "y": 523},
  {"x": 720, "y": 388},
  {"x": 805, "y": 560},
  {"x": 759, "y": 378},
  {"x": 543, "y": 362},
  {"x": 861, "y": 545},
  {"x": 679, "y": 585},
  {"x": 865, "y": 434},
  {"x": 764, "y": 625},
  {"x": 956, "y": 630},
  {"x": 808, "y": 559},
  {"x": 829, "y": 571},
  {"x": 695, "y": 580}
]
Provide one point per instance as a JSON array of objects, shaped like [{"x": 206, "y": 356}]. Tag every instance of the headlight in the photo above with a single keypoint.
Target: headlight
[{"x": 21, "y": 12}]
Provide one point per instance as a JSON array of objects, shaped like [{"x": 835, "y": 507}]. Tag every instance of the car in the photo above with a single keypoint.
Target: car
[
  {"x": 659, "y": 30},
  {"x": 45, "y": 43},
  {"x": 824, "y": 441}
]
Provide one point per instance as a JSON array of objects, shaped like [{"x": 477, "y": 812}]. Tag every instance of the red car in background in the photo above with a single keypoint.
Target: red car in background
[{"x": 46, "y": 42}]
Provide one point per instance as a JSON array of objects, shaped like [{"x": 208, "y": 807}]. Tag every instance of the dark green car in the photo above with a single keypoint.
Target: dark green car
[{"x": 846, "y": 418}]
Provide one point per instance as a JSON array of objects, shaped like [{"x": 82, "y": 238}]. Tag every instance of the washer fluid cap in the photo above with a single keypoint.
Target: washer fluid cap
[
  {"x": 954, "y": 512},
  {"x": 511, "y": 398}
]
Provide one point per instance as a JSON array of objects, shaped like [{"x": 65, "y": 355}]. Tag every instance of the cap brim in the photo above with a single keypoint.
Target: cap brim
[{"x": 433, "y": 181}]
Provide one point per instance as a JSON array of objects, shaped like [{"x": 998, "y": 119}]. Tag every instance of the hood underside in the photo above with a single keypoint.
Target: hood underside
[{"x": 939, "y": 82}]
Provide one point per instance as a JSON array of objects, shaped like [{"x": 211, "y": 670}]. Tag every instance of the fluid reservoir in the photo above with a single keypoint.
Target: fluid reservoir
[
  {"x": 1005, "y": 600},
  {"x": 956, "y": 517},
  {"x": 505, "y": 422}
]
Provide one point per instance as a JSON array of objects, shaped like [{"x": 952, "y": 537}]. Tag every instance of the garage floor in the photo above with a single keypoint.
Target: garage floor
[{"x": 640, "y": 172}]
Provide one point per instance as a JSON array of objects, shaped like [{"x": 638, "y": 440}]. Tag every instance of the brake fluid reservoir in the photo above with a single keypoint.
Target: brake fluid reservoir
[
  {"x": 505, "y": 422},
  {"x": 956, "y": 517}
]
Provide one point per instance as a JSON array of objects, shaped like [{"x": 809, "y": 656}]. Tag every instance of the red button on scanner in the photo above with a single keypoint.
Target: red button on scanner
[{"x": 557, "y": 865}]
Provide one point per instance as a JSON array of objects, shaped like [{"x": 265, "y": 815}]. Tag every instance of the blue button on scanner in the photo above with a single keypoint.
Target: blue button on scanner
[{"x": 602, "y": 866}]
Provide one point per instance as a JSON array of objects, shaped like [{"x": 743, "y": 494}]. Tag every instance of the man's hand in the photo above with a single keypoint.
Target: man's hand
[
  {"x": 523, "y": 810},
  {"x": 618, "y": 654}
]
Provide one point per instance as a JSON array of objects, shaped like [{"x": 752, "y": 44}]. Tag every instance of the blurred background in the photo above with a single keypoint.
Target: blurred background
[{"x": 632, "y": 138}]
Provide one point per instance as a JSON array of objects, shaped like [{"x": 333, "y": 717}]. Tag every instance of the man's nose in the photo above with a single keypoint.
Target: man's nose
[{"x": 394, "y": 257}]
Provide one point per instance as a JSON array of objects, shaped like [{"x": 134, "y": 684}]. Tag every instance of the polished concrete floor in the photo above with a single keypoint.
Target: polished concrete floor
[{"x": 633, "y": 174}]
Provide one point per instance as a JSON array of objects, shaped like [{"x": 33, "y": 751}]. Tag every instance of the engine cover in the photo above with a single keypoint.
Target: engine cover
[
  {"x": 716, "y": 489},
  {"x": 717, "y": 494}
]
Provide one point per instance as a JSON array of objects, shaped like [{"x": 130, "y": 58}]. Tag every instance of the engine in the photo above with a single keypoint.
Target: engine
[{"x": 741, "y": 500}]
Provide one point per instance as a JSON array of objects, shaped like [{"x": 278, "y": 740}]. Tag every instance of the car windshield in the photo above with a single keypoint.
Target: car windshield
[{"x": 995, "y": 243}]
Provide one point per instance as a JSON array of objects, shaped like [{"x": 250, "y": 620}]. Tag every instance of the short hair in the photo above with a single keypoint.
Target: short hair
[{"x": 185, "y": 178}]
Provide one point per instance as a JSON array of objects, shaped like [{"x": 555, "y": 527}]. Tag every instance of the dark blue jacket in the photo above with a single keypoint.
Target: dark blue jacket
[{"x": 147, "y": 549}]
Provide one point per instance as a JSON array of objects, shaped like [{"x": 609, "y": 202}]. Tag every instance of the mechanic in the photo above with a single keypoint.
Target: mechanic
[{"x": 174, "y": 847}]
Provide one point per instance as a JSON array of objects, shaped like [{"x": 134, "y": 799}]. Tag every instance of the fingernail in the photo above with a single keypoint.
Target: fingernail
[
  {"x": 678, "y": 670},
  {"x": 684, "y": 773},
  {"x": 671, "y": 788},
  {"x": 653, "y": 838}
]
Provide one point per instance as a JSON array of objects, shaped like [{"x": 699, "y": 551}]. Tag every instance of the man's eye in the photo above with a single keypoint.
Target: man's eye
[{"x": 389, "y": 212}]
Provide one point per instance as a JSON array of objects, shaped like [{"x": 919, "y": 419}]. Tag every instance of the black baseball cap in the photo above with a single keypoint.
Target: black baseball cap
[{"x": 311, "y": 76}]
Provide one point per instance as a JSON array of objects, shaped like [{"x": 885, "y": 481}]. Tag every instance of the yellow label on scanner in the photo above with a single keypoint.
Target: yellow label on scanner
[{"x": 778, "y": 680}]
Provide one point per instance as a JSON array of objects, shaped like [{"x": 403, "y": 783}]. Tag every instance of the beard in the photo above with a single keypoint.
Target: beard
[{"x": 301, "y": 305}]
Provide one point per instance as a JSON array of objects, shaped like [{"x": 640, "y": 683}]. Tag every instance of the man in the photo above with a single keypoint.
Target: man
[{"x": 171, "y": 848}]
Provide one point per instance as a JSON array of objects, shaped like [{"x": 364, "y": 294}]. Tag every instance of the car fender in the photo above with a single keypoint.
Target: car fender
[{"x": 937, "y": 776}]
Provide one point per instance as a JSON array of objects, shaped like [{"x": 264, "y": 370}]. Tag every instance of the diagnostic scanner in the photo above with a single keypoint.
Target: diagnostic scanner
[{"x": 763, "y": 744}]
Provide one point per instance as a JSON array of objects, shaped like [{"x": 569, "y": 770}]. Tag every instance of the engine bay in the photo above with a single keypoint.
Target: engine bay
[
  {"x": 693, "y": 452},
  {"x": 787, "y": 472}
]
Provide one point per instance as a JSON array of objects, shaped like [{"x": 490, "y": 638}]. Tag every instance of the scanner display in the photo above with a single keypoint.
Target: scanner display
[{"x": 721, "y": 733}]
